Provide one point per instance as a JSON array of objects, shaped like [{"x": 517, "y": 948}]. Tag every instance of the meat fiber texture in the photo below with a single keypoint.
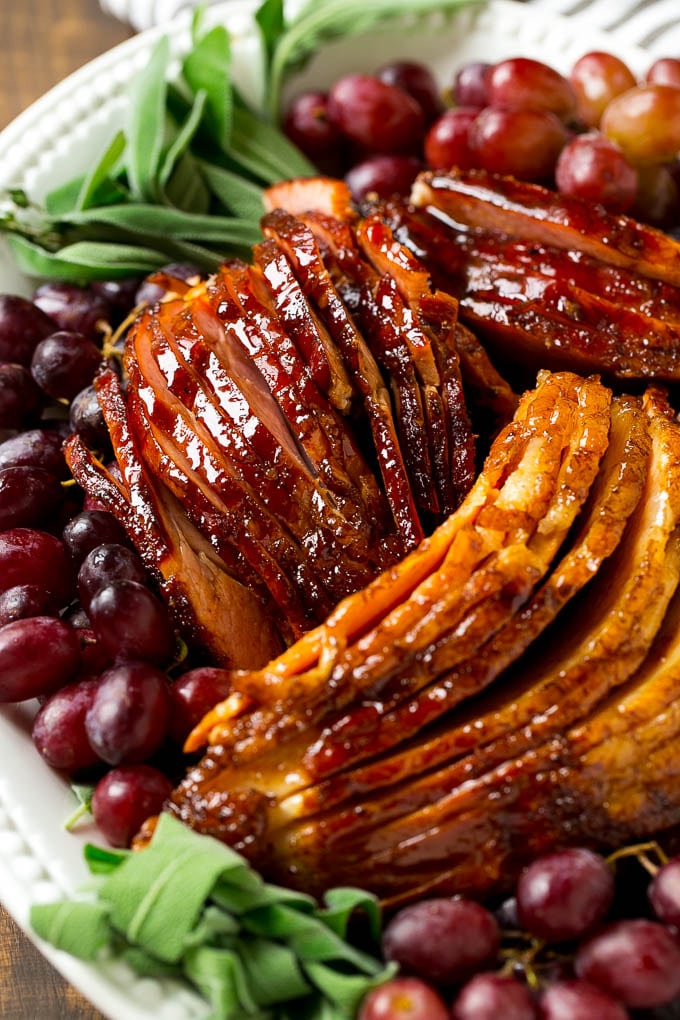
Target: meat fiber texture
[{"x": 287, "y": 430}]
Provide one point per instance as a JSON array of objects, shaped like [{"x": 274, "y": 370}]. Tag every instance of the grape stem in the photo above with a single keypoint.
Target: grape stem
[{"x": 640, "y": 851}]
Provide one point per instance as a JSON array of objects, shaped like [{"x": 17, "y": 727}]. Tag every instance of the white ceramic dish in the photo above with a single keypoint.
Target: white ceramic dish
[{"x": 51, "y": 142}]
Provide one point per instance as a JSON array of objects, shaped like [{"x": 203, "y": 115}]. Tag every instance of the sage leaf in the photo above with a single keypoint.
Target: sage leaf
[
  {"x": 146, "y": 123},
  {"x": 186, "y": 188},
  {"x": 81, "y": 929},
  {"x": 207, "y": 67},
  {"x": 101, "y": 860},
  {"x": 83, "y": 262},
  {"x": 235, "y": 193},
  {"x": 220, "y": 976},
  {"x": 273, "y": 970},
  {"x": 269, "y": 19},
  {"x": 184, "y": 137},
  {"x": 263, "y": 149},
  {"x": 345, "y": 991},
  {"x": 102, "y": 171}
]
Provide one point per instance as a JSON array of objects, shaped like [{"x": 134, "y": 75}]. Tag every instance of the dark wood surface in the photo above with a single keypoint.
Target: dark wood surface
[{"x": 42, "y": 41}]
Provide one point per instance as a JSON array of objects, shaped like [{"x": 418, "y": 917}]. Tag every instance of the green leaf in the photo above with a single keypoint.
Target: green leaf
[
  {"x": 171, "y": 879},
  {"x": 317, "y": 23},
  {"x": 81, "y": 929},
  {"x": 207, "y": 67},
  {"x": 186, "y": 188},
  {"x": 346, "y": 991},
  {"x": 220, "y": 976},
  {"x": 343, "y": 903},
  {"x": 152, "y": 219},
  {"x": 146, "y": 128},
  {"x": 102, "y": 861},
  {"x": 85, "y": 261},
  {"x": 64, "y": 199},
  {"x": 273, "y": 971},
  {"x": 262, "y": 149},
  {"x": 234, "y": 192},
  {"x": 184, "y": 137},
  {"x": 270, "y": 22},
  {"x": 102, "y": 171}
]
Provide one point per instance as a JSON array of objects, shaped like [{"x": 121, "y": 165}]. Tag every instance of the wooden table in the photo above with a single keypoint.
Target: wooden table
[{"x": 40, "y": 43}]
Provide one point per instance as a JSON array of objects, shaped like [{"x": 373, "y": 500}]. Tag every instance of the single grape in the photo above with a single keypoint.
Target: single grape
[
  {"x": 637, "y": 962},
  {"x": 597, "y": 78},
  {"x": 36, "y": 448},
  {"x": 124, "y": 799},
  {"x": 64, "y": 363},
  {"x": 22, "y": 326},
  {"x": 522, "y": 143},
  {"x": 59, "y": 727},
  {"x": 105, "y": 564},
  {"x": 416, "y": 80},
  {"x": 77, "y": 618},
  {"x": 131, "y": 623},
  {"x": 377, "y": 117},
  {"x": 74, "y": 308},
  {"x": 645, "y": 123},
  {"x": 20, "y": 399},
  {"x": 26, "y": 600},
  {"x": 521, "y": 83},
  {"x": 664, "y": 893},
  {"x": 664, "y": 71},
  {"x": 384, "y": 176},
  {"x": 34, "y": 557},
  {"x": 192, "y": 695},
  {"x": 86, "y": 418},
  {"x": 657, "y": 200},
  {"x": 403, "y": 998},
  {"x": 471, "y": 84},
  {"x": 442, "y": 940},
  {"x": 489, "y": 996},
  {"x": 563, "y": 895},
  {"x": 128, "y": 718},
  {"x": 593, "y": 168},
  {"x": 149, "y": 291},
  {"x": 579, "y": 1000},
  {"x": 307, "y": 125},
  {"x": 119, "y": 295},
  {"x": 28, "y": 496},
  {"x": 89, "y": 529},
  {"x": 37, "y": 656},
  {"x": 447, "y": 143}
]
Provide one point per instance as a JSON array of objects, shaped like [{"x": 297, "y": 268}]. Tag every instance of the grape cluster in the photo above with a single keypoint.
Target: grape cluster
[
  {"x": 597, "y": 134},
  {"x": 551, "y": 952},
  {"x": 81, "y": 628}
]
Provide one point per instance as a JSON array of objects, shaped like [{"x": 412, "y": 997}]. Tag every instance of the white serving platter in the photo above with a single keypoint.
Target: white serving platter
[{"x": 47, "y": 144}]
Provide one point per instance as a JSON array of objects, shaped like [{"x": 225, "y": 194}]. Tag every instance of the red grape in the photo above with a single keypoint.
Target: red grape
[
  {"x": 522, "y": 143},
  {"x": 489, "y": 996},
  {"x": 442, "y": 940},
  {"x": 578, "y": 1000},
  {"x": 59, "y": 727},
  {"x": 645, "y": 123},
  {"x": 127, "y": 720},
  {"x": 447, "y": 143},
  {"x": 22, "y": 327},
  {"x": 35, "y": 448},
  {"x": 593, "y": 168},
  {"x": 149, "y": 292},
  {"x": 28, "y": 496},
  {"x": 64, "y": 363},
  {"x": 307, "y": 125},
  {"x": 657, "y": 200},
  {"x": 192, "y": 695},
  {"x": 637, "y": 962},
  {"x": 562, "y": 895},
  {"x": 664, "y": 893},
  {"x": 665, "y": 71},
  {"x": 34, "y": 557},
  {"x": 26, "y": 600},
  {"x": 471, "y": 84},
  {"x": 524, "y": 84},
  {"x": 383, "y": 176},
  {"x": 105, "y": 564},
  {"x": 37, "y": 656},
  {"x": 377, "y": 117},
  {"x": 124, "y": 799},
  {"x": 72, "y": 308},
  {"x": 403, "y": 998},
  {"x": 597, "y": 78},
  {"x": 131, "y": 623},
  {"x": 20, "y": 399},
  {"x": 89, "y": 529},
  {"x": 118, "y": 295},
  {"x": 418, "y": 81},
  {"x": 86, "y": 418}
]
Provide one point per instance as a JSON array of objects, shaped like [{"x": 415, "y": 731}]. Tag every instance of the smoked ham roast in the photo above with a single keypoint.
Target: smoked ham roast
[{"x": 452, "y": 615}]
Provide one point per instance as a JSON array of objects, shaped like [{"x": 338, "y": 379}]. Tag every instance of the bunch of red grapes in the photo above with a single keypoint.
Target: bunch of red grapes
[
  {"x": 81, "y": 628},
  {"x": 597, "y": 134},
  {"x": 554, "y": 951}
]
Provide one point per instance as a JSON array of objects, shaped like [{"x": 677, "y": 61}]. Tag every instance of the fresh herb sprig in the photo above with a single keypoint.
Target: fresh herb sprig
[{"x": 190, "y": 907}]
